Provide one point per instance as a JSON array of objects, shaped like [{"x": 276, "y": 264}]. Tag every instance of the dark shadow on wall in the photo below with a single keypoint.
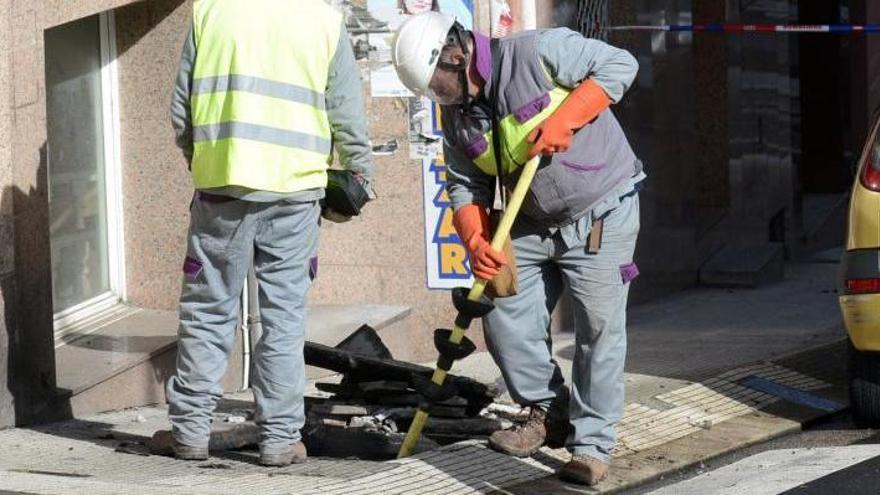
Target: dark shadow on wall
[
  {"x": 27, "y": 299},
  {"x": 135, "y": 21}
]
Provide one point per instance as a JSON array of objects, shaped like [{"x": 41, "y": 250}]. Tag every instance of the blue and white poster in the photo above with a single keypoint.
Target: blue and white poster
[
  {"x": 447, "y": 259},
  {"x": 447, "y": 263}
]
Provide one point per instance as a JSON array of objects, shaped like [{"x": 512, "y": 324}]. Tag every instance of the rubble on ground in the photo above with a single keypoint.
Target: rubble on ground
[{"x": 368, "y": 413}]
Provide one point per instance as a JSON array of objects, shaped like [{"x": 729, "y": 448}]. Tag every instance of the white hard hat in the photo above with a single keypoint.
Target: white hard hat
[{"x": 416, "y": 49}]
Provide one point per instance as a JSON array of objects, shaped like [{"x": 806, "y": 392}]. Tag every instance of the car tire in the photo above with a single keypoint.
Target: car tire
[{"x": 864, "y": 386}]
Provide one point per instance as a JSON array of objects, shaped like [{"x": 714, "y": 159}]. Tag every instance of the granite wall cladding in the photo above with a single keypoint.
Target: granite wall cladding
[
  {"x": 711, "y": 103},
  {"x": 716, "y": 120},
  {"x": 7, "y": 239},
  {"x": 764, "y": 117},
  {"x": 660, "y": 118},
  {"x": 863, "y": 66},
  {"x": 55, "y": 12},
  {"x": 31, "y": 354},
  {"x": 156, "y": 184},
  {"x": 871, "y": 54}
]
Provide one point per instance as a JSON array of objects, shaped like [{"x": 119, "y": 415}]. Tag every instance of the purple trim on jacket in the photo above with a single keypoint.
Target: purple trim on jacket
[
  {"x": 476, "y": 147},
  {"x": 483, "y": 56},
  {"x": 583, "y": 168},
  {"x": 532, "y": 108}
]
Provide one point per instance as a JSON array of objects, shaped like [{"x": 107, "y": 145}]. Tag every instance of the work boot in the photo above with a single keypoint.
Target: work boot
[
  {"x": 163, "y": 443},
  {"x": 583, "y": 470},
  {"x": 295, "y": 454},
  {"x": 525, "y": 439}
]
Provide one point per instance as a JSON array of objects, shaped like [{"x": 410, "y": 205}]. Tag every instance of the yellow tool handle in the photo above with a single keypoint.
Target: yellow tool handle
[{"x": 513, "y": 205}]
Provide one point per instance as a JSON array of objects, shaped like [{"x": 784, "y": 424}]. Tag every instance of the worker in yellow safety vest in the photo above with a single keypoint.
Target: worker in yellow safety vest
[{"x": 265, "y": 90}]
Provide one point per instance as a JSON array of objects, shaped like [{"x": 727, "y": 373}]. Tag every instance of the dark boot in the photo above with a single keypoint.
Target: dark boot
[
  {"x": 558, "y": 424},
  {"x": 163, "y": 443},
  {"x": 583, "y": 470},
  {"x": 524, "y": 439},
  {"x": 295, "y": 454},
  {"x": 558, "y": 430}
]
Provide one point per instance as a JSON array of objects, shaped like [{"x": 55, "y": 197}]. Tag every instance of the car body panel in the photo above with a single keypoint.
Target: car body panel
[
  {"x": 861, "y": 315},
  {"x": 864, "y": 219},
  {"x": 861, "y": 260}
]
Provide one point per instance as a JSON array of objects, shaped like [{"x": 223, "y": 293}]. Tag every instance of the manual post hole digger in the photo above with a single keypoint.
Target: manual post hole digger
[{"x": 470, "y": 304}]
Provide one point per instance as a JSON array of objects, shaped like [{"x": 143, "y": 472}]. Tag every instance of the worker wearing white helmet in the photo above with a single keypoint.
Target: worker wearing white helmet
[
  {"x": 416, "y": 50},
  {"x": 504, "y": 102}
]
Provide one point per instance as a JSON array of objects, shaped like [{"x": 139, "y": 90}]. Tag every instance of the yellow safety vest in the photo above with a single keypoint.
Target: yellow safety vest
[
  {"x": 258, "y": 107},
  {"x": 514, "y": 142}
]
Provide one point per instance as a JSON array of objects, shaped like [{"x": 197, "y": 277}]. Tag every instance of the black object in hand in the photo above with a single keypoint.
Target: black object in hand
[{"x": 345, "y": 194}]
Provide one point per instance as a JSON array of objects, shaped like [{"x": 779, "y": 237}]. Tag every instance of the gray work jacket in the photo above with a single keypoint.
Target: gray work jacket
[{"x": 594, "y": 173}]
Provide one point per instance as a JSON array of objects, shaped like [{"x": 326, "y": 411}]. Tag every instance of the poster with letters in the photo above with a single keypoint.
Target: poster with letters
[
  {"x": 447, "y": 261},
  {"x": 447, "y": 264}
]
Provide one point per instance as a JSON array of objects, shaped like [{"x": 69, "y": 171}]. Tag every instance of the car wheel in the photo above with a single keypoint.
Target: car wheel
[{"x": 864, "y": 386}]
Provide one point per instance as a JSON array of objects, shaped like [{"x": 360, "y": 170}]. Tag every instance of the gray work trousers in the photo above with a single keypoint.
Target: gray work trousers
[
  {"x": 226, "y": 236},
  {"x": 518, "y": 330}
]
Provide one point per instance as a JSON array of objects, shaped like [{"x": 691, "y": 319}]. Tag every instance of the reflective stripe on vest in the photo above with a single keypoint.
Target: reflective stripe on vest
[
  {"x": 258, "y": 107},
  {"x": 515, "y": 144}
]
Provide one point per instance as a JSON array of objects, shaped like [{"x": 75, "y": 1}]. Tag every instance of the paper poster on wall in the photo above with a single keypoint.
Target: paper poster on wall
[
  {"x": 425, "y": 137},
  {"x": 380, "y": 48},
  {"x": 447, "y": 261},
  {"x": 391, "y": 14},
  {"x": 384, "y": 83},
  {"x": 502, "y": 19},
  {"x": 360, "y": 25}
]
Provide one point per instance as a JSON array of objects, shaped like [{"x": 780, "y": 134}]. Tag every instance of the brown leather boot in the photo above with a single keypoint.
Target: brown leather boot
[
  {"x": 163, "y": 443},
  {"x": 524, "y": 439},
  {"x": 295, "y": 454},
  {"x": 583, "y": 470}
]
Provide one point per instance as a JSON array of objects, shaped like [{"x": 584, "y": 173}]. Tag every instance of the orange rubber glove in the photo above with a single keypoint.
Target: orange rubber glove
[
  {"x": 581, "y": 106},
  {"x": 472, "y": 224}
]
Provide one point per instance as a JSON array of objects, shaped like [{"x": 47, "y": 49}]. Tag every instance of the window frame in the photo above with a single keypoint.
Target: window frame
[{"x": 75, "y": 319}]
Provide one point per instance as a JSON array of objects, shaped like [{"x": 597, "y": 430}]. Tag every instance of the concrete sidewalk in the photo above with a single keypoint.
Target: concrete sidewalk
[{"x": 706, "y": 374}]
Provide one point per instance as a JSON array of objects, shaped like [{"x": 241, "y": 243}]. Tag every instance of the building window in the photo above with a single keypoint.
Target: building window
[{"x": 83, "y": 171}]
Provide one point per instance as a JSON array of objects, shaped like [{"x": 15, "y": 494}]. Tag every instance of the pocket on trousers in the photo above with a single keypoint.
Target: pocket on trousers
[
  {"x": 214, "y": 221},
  {"x": 192, "y": 268},
  {"x": 622, "y": 223},
  {"x": 629, "y": 272}
]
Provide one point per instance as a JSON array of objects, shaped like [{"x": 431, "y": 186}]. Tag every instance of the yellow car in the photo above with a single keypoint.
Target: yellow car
[{"x": 860, "y": 284}]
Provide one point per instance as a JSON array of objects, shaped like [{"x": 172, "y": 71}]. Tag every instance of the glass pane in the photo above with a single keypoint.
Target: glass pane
[{"x": 77, "y": 199}]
